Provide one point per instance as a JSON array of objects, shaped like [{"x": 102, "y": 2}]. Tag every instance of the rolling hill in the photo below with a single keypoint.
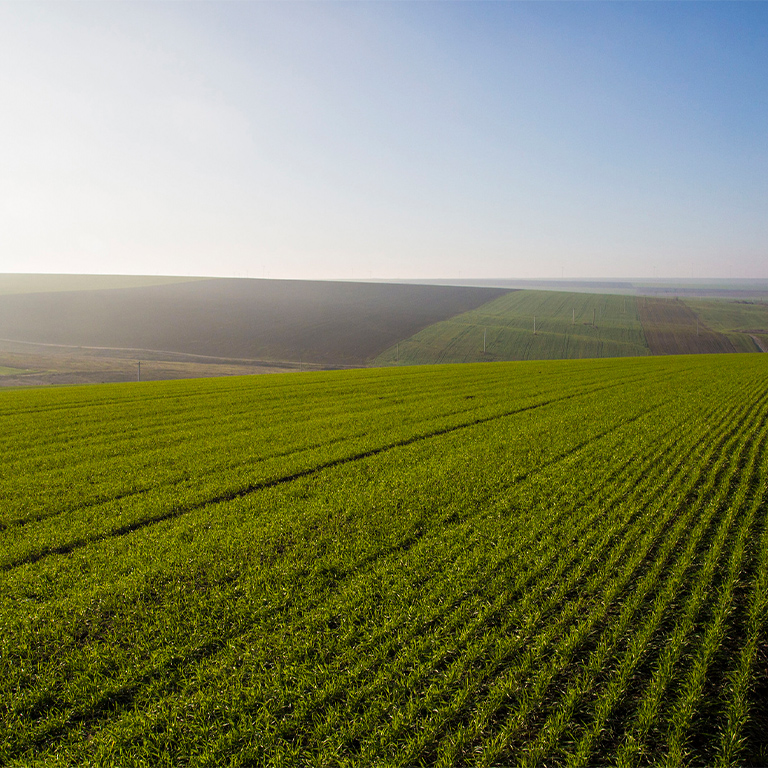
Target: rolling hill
[
  {"x": 577, "y": 325},
  {"x": 79, "y": 328},
  {"x": 329, "y": 323},
  {"x": 535, "y": 563}
]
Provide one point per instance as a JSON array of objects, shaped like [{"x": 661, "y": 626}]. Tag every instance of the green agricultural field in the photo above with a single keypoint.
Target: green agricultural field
[
  {"x": 534, "y": 563},
  {"x": 741, "y": 321},
  {"x": 564, "y": 329},
  {"x": 7, "y": 371}
]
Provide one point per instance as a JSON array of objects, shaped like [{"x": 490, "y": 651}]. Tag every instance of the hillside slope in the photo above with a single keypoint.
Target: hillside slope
[
  {"x": 744, "y": 322},
  {"x": 540, "y": 563},
  {"x": 673, "y": 328},
  {"x": 323, "y": 322},
  {"x": 503, "y": 329}
]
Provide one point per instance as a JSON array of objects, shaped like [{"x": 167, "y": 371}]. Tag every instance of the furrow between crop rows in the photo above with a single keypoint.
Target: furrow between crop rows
[
  {"x": 142, "y": 521},
  {"x": 629, "y": 610},
  {"x": 692, "y": 607},
  {"x": 547, "y": 564}
]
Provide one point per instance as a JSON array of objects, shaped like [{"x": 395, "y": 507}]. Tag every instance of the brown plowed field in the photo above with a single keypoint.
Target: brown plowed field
[
  {"x": 670, "y": 328},
  {"x": 330, "y": 323}
]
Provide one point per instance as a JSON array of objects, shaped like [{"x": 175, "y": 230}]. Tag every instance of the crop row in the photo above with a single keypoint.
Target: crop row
[
  {"x": 571, "y": 570},
  {"x": 223, "y": 460},
  {"x": 529, "y": 325}
]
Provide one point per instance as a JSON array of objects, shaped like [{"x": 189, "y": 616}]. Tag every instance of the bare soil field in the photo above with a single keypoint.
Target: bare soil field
[
  {"x": 257, "y": 321},
  {"x": 673, "y": 328}
]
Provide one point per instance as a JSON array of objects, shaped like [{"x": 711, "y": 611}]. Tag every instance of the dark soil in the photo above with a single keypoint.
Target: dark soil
[
  {"x": 671, "y": 328},
  {"x": 331, "y": 323}
]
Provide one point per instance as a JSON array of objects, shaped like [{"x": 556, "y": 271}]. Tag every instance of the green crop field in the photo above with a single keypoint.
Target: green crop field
[
  {"x": 502, "y": 329},
  {"x": 741, "y": 321},
  {"x": 723, "y": 315},
  {"x": 534, "y": 563},
  {"x": 7, "y": 371},
  {"x": 578, "y": 325}
]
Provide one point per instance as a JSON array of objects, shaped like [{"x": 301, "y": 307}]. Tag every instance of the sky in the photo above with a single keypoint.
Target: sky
[{"x": 385, "y": 140}]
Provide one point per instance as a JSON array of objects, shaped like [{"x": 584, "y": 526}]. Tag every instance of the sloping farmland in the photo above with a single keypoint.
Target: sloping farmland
[
  {"x": 567, "y": 325},
  {"x": 671, "y": 327},
  {"x": 549, "y": 563},
  {"x": 744, "y": 321},
  {"x": 331, "y": 323}
]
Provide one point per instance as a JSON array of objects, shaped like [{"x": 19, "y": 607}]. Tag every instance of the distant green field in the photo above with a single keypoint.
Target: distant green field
[
  {"x": 624, "y": 326},
  {"x": 738, "y": 320},
  {"x": 505, "y": 327},
  {"x": 6, "y": 371},
  {"x": 535, "y": 563},
  {"x": 43, "y": 283},
  {"x": 725, "y": 315}
]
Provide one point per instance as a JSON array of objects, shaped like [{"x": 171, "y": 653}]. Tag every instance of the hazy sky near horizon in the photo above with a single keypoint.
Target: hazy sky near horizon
[{"x": 385, "y": 140}]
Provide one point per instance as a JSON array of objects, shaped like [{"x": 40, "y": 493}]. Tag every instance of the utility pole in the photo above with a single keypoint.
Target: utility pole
[
  {"x": 138, "y": 373},
  {"x": 484, "y": 332},
  {"x": 573, "y": 321}
]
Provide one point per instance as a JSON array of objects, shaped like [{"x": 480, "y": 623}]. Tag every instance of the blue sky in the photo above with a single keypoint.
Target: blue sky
[{"x": 385, "y": 140}]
